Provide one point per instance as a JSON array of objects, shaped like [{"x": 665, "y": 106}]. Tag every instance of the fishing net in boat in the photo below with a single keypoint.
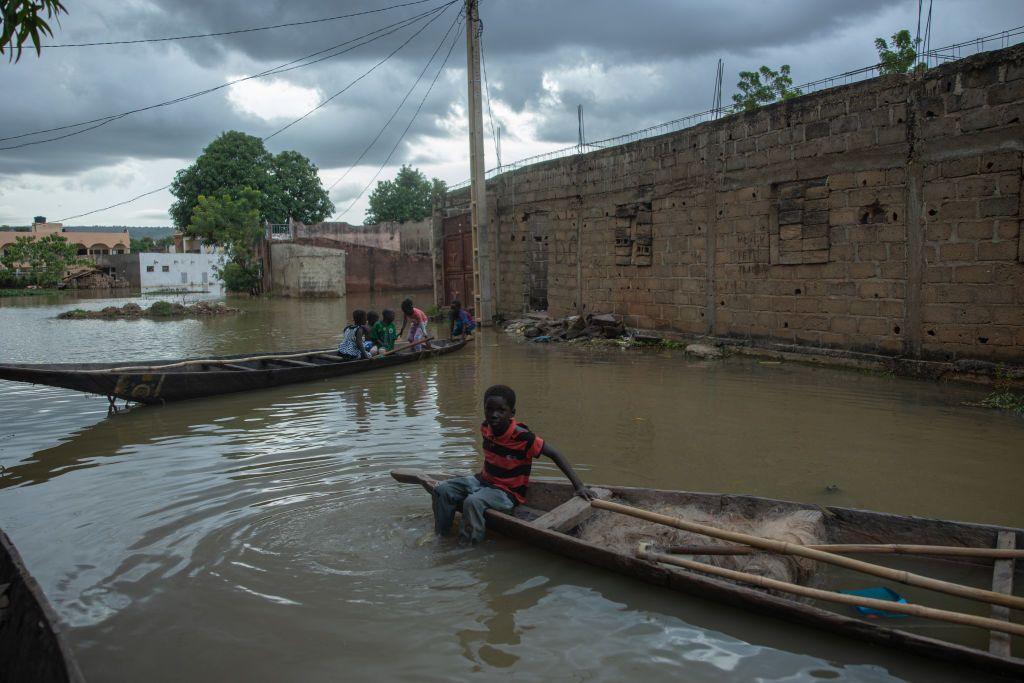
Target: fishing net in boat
[{"x": 622, "y": 533}]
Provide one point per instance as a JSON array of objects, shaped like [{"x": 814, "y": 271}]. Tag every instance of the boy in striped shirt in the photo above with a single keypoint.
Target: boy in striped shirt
[{"x": 509, "y": 450}]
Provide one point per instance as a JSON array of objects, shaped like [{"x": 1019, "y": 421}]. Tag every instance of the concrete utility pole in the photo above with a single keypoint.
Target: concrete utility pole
[{"x": 482, "y": 284}]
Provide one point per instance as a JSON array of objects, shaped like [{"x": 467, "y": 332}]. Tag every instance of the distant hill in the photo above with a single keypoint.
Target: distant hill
[{"x": 136, "y": 233}]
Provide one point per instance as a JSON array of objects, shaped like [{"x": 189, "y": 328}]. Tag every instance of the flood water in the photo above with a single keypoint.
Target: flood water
[{"x": 259, "y": 536}]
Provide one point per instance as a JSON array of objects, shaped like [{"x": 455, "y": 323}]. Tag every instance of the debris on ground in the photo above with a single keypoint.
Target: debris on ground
[
  {"x": 539, "y": 327},
  {"x": 87, "y": 276},
  {"x": 158, "y": 310},
  {"x": 601, "y": 329},
  {"x": 704, "y": 351}
]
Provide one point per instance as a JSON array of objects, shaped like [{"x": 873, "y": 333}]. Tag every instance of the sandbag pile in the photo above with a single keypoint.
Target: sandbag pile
[{"x": 539, "y": 327}]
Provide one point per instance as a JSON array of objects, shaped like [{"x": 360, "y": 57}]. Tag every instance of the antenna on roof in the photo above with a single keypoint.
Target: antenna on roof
[
  {"x": 581, "y": 131},
  {"x": 716, "y": 101}
]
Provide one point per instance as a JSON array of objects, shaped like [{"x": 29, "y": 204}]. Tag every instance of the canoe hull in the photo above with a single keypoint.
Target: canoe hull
[
  {"x": 849, "y": 523},
  {"x": 32, "y": 646},
  {"x": 177, "y": 384}
]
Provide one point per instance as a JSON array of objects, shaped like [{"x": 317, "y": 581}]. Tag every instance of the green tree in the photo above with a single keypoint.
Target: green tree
[
  {"x": 287, "y": 184},
  {"x": 21, "y": 20},
  {"x": 296, "y": 190},
  {"x": 46, "y": 258},
  {"x": 142, "y": 245},
  {"x": 764, "y": 86},
  {"x": 900, "y": 58},
  {"x": 233, "y": 223},
  {"x": 409, "y": 197}
]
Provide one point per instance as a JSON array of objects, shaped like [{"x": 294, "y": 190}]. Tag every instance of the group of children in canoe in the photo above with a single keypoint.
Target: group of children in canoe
[{"x": 370, "y": 335}]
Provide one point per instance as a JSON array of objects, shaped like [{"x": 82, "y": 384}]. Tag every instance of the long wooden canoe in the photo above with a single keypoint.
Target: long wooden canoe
[
  {"x": 553, "y": 518},
  {"x": 32, "y": 647},
  {"x": 162, "y": 381}
]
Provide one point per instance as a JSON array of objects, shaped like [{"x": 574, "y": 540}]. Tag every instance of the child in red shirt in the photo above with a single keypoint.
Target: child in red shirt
[{"x": 509, "y": 449}]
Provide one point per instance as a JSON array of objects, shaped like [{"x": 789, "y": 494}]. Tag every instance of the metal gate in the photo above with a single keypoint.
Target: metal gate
[{"x": 458, "y": 260}]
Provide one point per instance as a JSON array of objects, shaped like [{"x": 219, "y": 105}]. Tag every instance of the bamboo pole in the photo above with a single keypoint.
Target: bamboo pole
[
  {"x": 859, "y": 549},
  {"x": 211, "y": 361},
  {"x": 222, "y": 361},
  {"x": 819, "y": 555},
  {"x": 817, "y": 594}
]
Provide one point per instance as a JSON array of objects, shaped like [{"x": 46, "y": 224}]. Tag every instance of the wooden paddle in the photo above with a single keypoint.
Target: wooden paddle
[
  {"x": 817, "y": 594},
  {"x": 908, "y": 578},
  {"x": 858, "y": 549},
  {"x": 407, "y": 346}
]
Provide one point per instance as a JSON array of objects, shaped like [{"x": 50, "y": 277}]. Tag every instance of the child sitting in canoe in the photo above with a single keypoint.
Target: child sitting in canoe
[
  {"x": 417, "y": 321},
  {"x": 509, "y": 449},
  {"x": 352, "y": 346},
  {"x": 370, "y": 343},
  {"x": 383, "y": 331},
  {"x": 460, "y": 321}
]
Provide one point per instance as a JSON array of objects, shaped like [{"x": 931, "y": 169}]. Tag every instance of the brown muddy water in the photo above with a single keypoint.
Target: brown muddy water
[{"x": 259, "y": 537}]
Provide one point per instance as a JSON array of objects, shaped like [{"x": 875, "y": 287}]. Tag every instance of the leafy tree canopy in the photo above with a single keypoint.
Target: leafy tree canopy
[
  {"x": 287, "y": 184},
  {"x": 46, "y": 258},
  {"x": 233, "y": 222},
  {"x": 147, "y": 243},
  {"x": 900, "y": 57},
  {"x": 409, "y": 197},
  {"x": 22, "y": 20},
  {"x": 764, "y": 86}
]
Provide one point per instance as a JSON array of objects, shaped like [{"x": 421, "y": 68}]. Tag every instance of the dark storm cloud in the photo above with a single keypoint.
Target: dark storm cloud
[{"x": 654, "y": 61}]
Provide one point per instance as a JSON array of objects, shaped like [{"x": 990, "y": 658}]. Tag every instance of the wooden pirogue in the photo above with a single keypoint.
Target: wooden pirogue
[
  {"x": 32, "y": 647},
  {"x": 555, "y": 520},
  {"x": 161, "y": 381}
]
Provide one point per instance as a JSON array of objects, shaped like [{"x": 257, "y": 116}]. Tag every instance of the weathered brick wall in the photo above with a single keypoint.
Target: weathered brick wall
[
  {"x": 883, "y": 216},
  {"x": 368, "y": 269}
]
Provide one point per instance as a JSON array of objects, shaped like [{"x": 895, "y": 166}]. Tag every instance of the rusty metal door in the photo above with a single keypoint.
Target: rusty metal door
[{"x": 458, "y": 261}]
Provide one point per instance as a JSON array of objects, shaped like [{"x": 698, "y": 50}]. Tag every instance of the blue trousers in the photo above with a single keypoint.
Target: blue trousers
[{"x": 475, "y": 499}]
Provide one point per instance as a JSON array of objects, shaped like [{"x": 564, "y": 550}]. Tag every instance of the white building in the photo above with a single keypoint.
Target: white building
[{"x": 179, "y": 271}]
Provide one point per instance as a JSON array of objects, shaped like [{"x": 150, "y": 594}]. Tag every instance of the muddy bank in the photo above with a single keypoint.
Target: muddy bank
[{"x": 159, "y": 310}]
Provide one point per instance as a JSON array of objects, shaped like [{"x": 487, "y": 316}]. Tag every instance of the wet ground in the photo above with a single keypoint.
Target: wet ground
[{"x": 259, "y": 536}]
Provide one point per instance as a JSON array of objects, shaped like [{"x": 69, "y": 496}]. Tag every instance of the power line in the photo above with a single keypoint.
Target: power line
[
  {"x": 279, "y": 69},
  {"x": 361, "y": 77},
  {"x": 418, "y": 31},
  {"x": 404, "y": 132},
  {"x": 236, "y": 31},
  {"x": 400, "y": 104}
]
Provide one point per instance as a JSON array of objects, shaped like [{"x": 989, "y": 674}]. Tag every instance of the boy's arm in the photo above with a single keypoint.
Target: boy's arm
[
  {"x": 405, "y": 319},
  {"x": 567, "y": 470}
]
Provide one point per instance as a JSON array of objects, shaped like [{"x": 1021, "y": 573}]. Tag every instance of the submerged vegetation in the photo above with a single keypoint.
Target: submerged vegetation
[
  {"x": 158, "y": 310},
  {"x": 1003, "y": 397}
]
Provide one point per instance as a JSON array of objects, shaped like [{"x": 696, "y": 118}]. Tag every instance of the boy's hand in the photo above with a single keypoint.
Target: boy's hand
[{"x": 584, "y": 493}]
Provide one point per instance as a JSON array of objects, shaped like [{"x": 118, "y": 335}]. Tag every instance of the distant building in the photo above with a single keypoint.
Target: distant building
[
  {"x": 177, "y": 270},
  {"x": 87, "y": 243}
]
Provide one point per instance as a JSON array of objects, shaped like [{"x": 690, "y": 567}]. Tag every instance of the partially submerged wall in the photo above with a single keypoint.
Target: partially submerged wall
[
  {"x": 883, "y": 216},
  {"x": 368, "y": 269},
  {"x": 301, "y": 270}
]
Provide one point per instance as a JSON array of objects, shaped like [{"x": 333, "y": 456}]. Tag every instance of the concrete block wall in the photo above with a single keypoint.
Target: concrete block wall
[
  {"x": 302, "y": 270},
  {"x": 883, "y": 216}
]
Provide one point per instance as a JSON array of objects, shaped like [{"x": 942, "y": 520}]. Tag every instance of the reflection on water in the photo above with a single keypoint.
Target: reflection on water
[{"x": 260, "y": 534}]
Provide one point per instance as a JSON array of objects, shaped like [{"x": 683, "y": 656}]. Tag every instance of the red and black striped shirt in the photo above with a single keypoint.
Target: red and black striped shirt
[{"x": 508, "y": 457}]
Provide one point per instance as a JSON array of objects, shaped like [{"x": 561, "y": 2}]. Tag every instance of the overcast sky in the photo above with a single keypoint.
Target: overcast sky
[{"x": 631, "y": 65}]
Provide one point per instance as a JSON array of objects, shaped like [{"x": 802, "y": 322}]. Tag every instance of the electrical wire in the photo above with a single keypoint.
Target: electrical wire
[
  {"x": 400, "y": 104},
  {"x": 408, "y": 126},
  {"x": 418, "y": 31},
  {"x": 237, "y": 31},
  {"x": 279, "y": 69},
  {"x": 361, "y": 77}
]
